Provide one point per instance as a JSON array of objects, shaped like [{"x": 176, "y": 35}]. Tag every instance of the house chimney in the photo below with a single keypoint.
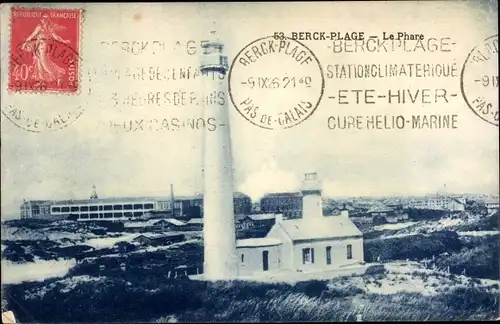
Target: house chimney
[
  {"x": 172, "y": 201},
  {"x": 311, "y": 196},
  {"x": 344, "y": 212}
]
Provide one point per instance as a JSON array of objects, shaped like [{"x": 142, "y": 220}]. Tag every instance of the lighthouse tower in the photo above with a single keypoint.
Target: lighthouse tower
[
  {"x": 218, "y": 224},
  {"x": 312, "y": 205}
]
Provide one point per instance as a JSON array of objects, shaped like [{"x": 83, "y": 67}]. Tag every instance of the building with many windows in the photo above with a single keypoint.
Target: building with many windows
[
  {"x": 120, "y": 208},
  {"x": 437, "y": 203},
  {"x": 242, "y": 203},
  {"x": 109, "y": 208},
  {"x": 492, "y": 204},
  {"x": 35, "y": 209},
  {"x": 287, "y": 203}
]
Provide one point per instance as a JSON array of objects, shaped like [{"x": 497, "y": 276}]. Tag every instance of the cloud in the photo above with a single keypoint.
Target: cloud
[{"x": 270, "y": 178}]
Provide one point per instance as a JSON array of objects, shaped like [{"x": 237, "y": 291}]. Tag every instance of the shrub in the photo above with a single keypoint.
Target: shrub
[
  {"x": 375, "y": 269},
  {"x": 113, "y": 300},
  {"x": 412, "y": 247},
  {"x": 313, "y": 288},
  {"x": 342, "y": 292},
  {"x": 481, "y": 260},
  {"x": 470, "y": 298}
]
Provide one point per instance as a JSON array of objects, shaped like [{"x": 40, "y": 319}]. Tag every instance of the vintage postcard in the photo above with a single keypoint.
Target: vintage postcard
[{"x": 251, "y": 162}]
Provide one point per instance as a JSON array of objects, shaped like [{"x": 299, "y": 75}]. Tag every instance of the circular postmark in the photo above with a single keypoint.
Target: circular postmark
[
  {"x": 479, "y": 80},
  {"x": 42, "y": 73},
  {"x": 276, "y": 83}
]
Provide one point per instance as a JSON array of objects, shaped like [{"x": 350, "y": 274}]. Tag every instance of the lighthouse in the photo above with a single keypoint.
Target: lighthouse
[
  {"x": 220, "y": 261},
  {"x": 312, "y": 205}
]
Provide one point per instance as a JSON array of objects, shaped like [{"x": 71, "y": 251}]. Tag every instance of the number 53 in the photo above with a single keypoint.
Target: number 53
[{"x": 279, "y": 35}]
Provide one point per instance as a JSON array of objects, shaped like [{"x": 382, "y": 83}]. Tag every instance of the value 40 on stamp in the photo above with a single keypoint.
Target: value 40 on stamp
[{"x": 276, "y": 83}]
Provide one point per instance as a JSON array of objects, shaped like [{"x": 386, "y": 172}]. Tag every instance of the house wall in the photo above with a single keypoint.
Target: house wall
[
  {"x": 286, "y": 246},
  {"x": 312, "y": 205},
  {"x": 253, "y": 261},
  {"x": 339, "y": 254},
  {"x": 456, "y": 206}
]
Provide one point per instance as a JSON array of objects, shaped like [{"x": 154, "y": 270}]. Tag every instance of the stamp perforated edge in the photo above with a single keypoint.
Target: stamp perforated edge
[{"x": 79, "y": 53}]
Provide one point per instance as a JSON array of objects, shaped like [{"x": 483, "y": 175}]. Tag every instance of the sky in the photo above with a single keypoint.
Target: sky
[{"x": 66, "y": 163}]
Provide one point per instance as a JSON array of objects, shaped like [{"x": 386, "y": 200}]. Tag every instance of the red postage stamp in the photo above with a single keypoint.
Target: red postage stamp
[{"x": 44, "y": 50}]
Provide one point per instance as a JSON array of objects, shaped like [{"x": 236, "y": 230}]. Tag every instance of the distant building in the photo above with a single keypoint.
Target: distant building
[
  {"x": 437, "y": 203},
  {"x": 265, "y": 219},
  {"x": 287, "y": 203},
  {"x": 158, "y": 239},
  {"x": 242, "y": 203},
  {"x": 154, "y": 225},
  {"x": 120, "y": 208},
  {"x": 194, "y": 224},
  {"x": 491, "y": 204},
  {"x": 243, "y": 222},
  {"x": 35, "y": 209},
  {"x": 382, "y": 211}
]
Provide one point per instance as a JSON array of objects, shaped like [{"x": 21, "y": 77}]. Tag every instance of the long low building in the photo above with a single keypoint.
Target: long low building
[
  {"x": 437, "y": 203},
  {"x": 119, "y": 208}
]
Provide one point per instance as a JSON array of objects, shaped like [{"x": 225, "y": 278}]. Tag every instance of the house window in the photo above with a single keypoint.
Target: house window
[
  {"x": 328, "y": 255},
  {"x": 349, "y": 251},
  {"x": 307, "y": 255},
  {"x": 242, "y": 258}
]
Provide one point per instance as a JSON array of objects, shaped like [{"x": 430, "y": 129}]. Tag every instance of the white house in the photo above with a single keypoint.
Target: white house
[
  {"x": 310, "y": 244},
  {"x": 437, "y": 203},
  {"x": 492, "y": 204}
]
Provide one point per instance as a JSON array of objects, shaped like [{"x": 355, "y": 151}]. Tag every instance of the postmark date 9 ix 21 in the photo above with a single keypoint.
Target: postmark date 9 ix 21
[{"x": 276, "y": 83}]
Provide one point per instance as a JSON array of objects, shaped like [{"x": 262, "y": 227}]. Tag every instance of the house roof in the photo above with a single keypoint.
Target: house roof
[
  {"x": 175, "y": 221},
  {"x": 319, "y": 228},
  {"x": 155, "y": 236},
  {"x": 153, "y": 222},
  {"x": 238, "y": 194},
  {"x": 490, "y": 201},
  {"x": 263, "y": 216},
  {"x": 381, "y": 209},
  {"x": 283, "y": 194},
  {"x": 195, "y": 221},
  {"x": 147, "y": 223},
  {"x": 255, "y": 242},
  {"x": 240, "y": 218}
]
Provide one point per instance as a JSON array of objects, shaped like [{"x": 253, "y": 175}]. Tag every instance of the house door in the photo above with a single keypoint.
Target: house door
[{"x": 265, "y": 260}]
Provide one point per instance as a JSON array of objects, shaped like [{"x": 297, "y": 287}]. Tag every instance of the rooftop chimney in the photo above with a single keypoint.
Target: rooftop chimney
[
  {"x": 311, "y": 196},
  {"x": 172, "y": 201},
  {"x": 344, "y": 212},
  {"x": 94, "y": 193}
]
